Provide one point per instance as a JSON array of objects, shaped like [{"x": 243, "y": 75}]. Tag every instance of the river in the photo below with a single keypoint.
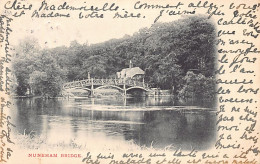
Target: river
[{"x": 155, "y": 122}]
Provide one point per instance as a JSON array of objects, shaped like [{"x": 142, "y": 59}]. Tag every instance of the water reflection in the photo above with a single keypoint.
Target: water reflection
[{"x": 157, "y": 121}]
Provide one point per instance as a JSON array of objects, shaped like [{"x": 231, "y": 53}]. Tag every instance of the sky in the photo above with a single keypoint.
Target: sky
[{"x": 54, "y": 32}]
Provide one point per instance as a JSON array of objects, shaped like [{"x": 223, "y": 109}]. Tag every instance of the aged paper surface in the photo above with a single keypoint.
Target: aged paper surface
[{"x": 51, "y": 48}]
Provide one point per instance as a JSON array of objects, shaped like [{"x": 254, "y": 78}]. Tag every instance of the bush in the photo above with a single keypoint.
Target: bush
[{"x": 197, "y": 86}]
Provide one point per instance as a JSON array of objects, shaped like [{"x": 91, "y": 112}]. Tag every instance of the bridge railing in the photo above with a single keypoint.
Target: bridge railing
[{"x": 116, "y": 82}]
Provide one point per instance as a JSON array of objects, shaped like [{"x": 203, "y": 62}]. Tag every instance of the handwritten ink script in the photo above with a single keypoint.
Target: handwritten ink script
[
  {"x": 177, "y": 157},
  {"x": 5, "y": 134},
  {"x": 5, "y": 73},
  {"x": 236, "y": 71},
  {"x": 237, "y": 113}
]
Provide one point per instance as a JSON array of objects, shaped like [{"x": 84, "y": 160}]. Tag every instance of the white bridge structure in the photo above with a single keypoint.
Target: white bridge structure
[{"x": 121, "y": 84}]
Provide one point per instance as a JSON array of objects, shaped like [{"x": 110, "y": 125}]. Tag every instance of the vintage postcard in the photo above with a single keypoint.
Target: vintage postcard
[{"x": 129, "y": 82}]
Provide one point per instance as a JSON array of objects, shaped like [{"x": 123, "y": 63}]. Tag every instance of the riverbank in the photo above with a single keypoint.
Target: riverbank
[{"x": 33, "y": 141}]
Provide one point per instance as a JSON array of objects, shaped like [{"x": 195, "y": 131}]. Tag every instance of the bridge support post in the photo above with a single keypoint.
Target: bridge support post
[
  {"x": 124, "y": 101},
  {"x": 124, "y": 88},
  {"x": 92, "y": 88}
]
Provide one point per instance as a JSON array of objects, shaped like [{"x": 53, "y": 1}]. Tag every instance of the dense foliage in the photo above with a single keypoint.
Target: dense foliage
[{"x": 165, "y": 51}]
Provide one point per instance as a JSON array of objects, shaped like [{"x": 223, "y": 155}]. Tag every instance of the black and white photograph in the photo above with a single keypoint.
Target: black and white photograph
[{"x": 133, "y": 76}]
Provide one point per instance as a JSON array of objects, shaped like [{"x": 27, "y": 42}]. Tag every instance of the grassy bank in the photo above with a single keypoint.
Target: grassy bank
[{"x": 39, "y": 142}]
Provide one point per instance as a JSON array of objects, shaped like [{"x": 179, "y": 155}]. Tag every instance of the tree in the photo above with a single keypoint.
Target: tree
[
  {"x": 95, "y": 66},
  {"x": 165, "y": 51},
  {"x": 197, "y": 86},
  {"x": 22, "y": 63}
]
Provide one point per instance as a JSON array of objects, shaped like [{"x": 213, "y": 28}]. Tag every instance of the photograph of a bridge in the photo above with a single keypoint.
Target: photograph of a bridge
[
  {"x": 151, "y": 89},
  {"x": 128, "y": 79}
]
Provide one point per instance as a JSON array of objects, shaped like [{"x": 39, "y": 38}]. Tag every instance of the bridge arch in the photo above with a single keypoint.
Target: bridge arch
[
  {"x": 136, "y": 87},
  {"x": 112, "y": 86},
  {"x": 82, "y": 88}
]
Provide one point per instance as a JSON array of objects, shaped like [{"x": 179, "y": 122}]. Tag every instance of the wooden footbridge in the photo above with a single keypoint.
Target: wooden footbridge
[{"x": 92, "y": 85}]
